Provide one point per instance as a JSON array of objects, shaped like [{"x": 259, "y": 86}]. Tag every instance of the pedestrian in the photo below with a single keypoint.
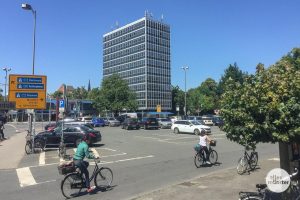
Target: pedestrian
[{"x": 2, "y": 122}]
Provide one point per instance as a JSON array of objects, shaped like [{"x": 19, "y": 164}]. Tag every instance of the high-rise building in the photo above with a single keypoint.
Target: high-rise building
[{"x": 140, "y": 53}]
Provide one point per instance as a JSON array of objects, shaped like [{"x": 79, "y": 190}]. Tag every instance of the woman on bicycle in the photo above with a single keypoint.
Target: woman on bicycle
[
  {"x": 203, "y": 141},
  {"x": 82, "y": 152}
]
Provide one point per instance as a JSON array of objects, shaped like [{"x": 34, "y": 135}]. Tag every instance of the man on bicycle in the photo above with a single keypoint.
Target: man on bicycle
[
  {"x": 203, "y": 141},
  {"x": 82, "y": 152}
]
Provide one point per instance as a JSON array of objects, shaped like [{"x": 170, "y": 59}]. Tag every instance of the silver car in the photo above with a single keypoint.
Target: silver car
[
  {"x": 113, "y": 121},
  {"x": 164, "y": 122}
]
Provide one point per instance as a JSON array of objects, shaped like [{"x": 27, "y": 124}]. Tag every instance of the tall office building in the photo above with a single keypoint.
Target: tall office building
[{"x": 140, "y": 53}]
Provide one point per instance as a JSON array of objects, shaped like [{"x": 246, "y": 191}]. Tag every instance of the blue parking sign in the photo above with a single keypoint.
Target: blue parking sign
[{"x": 61, "y": 103}]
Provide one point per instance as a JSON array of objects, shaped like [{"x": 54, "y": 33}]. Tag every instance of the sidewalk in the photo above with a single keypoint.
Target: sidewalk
[
  {"x": 12, "y": 151},
  {"x": 222, "y": 184}
]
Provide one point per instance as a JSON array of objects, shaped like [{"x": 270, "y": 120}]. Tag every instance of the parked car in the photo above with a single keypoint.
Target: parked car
[
  {"x": 73, "y": 135},
  {"x": 218, "y": 121},
  {"x": 207, "y": 120},
  {"x": 149, "y": 123},
  {"x": 113, "y": 122},
  {"x": 50, "y": 126},
  {"x": 189, "y": 126},
  {"x": 131, "y": 123},
  {"x": 97, "y": 122},
  {"x": 86, "y": 119},
  {"x": 164, "y": 122}
]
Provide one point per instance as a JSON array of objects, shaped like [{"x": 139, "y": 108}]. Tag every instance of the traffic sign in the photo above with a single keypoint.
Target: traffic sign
[
  {"x": 158, "y": 108},
  {"x": 62, "y": 105},
  {"x": 28, "y": 91}
]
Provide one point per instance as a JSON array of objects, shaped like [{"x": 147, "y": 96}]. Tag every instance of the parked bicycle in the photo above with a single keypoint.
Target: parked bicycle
[
  {"x": 263, "y": 193},
  {"x": 247, "y": 161},
  {"x": 38, "y": 144},
  {"x": 74, "y": 180},
  {"x": 199, "y": 158}
]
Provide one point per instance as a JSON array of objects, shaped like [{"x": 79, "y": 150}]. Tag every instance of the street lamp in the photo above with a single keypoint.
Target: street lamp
[
  {"x": 26, "y": 6},
  {"x": 185, "y": 68},
  {"x": 6, "y": 69}
]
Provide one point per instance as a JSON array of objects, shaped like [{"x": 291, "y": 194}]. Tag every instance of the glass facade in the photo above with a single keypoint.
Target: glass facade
[{"x": 140, "y": 53}]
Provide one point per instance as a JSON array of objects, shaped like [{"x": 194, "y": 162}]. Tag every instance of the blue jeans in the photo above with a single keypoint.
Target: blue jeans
[{"x": 83, "y": 165}]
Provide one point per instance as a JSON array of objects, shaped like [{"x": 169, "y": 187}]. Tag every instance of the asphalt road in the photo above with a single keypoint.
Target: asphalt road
[{"x": 141, "y": 160}]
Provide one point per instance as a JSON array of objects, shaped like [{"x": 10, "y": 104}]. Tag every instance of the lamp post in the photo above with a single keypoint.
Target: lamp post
[
  {"x": 6, "y": 69},
  {"x": 185, "y": 68},
  {"x": 26, "y": 6}
]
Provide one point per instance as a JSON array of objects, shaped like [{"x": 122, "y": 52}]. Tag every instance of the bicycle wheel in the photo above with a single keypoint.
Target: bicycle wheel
[
  {"x": 253, "y": 160},
  {"x": 71, "y": 185},
  {"x": 103, "y": 178},
  {"x": 28, "y": 147},
  {"x": 213, "y": 157},
  {"x": 198, "y": 160},
  {"x": 242, "y": 165},
  {"x": 38, "y": 145}
]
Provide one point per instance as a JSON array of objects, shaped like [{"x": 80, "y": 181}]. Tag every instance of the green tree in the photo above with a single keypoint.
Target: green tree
[
  {"x": 233, "y": 73},
  {"x": 266, "y": 107},
  {"x": 79, "y": 93},
  {"x": 58, "y": 94},
  {"x": 177, "y": 99},
  {"x": 204, "y": 98},
  {"x": 115, "y": 95}
]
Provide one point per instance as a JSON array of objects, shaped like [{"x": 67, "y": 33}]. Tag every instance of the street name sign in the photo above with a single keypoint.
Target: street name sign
[{"x": 28, "y": 91}]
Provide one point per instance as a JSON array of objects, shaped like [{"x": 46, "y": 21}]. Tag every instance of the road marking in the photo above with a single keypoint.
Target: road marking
[
  {"x": 42, "y": 158},
  {"x": 123, "y": 160},
  {"x": 25, "y": 177}
]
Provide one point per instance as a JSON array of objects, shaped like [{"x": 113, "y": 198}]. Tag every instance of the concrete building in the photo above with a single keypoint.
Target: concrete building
[{"x": 140, "y": 53}]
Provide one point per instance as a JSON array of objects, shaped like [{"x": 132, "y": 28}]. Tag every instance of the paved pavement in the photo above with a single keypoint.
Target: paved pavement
[{"x": 222, "y": 184}]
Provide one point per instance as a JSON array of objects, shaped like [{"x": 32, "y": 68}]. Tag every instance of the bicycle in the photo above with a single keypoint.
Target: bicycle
[
  {"x": 38, "y": 144},
  {"x": 74, "y": 180},
  {"x": 247, "y": 161},
  {"x": 199, "y": 158},
  {"x": 263, "y": 193}
]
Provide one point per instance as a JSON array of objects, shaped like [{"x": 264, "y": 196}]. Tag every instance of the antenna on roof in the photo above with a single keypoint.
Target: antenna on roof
[
  {"x": 117, "y": 24},
  {"x": 162, "y": 17}
]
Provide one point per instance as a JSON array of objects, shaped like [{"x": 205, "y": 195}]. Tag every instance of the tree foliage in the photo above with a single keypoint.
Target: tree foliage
[
  {"x": 79, "y": 93},
  {"x": 264, "y": 107},
  {"x": 204, "y": 98},
  {"x": 115, "y": 95},
  {"x": 58, "y": 94},
  {"x": 177, "y": 99}
]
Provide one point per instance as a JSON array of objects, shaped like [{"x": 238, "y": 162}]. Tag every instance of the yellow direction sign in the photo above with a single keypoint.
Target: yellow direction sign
[
  {"x": 158, "y": 108},
  {"x": 28, "y": 91}
]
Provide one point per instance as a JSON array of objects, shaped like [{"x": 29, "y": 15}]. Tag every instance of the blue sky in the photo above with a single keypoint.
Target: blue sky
[{"x": 207, "y": 36}]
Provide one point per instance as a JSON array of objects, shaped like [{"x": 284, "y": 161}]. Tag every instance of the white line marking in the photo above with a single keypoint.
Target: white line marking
[
  {"x": 42, "y": 158},
  {"x": 129, "y": 159},
  {"x": 119, "y": 154},
  {"x": 25, "y": 177}
]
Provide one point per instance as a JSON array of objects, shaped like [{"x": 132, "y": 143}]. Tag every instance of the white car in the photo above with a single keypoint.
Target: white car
[{"x": 189, "y": 126}]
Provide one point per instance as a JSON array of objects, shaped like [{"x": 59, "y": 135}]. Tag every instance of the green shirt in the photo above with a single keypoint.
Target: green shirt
[{"x": 83, "y": 151}]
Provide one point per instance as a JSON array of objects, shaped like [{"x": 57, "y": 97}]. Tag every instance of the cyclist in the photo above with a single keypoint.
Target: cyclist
[
  {"x": 82, "y": 152},
  {"x": 203, "y": 141}
]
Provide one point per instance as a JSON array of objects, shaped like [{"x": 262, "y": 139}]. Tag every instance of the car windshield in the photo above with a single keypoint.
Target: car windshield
[
  {"x": 86, "y": 128},
  {"x": 165, "y": 120},
  {"x": 111, "y": 118},
  {"x": 196, "y": 123}
]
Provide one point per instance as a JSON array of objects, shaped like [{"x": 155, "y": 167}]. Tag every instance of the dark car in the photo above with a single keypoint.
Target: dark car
[
  {"x": 97, "y": 122},
  {"x": 50, "y": 126},
  {"x": 218, "y": 121},
  {"x": 73, "y": 135},
  {"x": 149, "y": 123},
  {"x": 131, "y": 123}
]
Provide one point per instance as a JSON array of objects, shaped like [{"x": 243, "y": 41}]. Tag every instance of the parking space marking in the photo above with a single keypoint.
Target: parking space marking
[
  {"x": 42, "y": 158},
  {"x": 25, "y": 177},
  {"x": 123, "y": 160}
]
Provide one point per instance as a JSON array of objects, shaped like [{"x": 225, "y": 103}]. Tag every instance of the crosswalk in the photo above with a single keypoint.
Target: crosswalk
[{"x": 31, "y": 175}]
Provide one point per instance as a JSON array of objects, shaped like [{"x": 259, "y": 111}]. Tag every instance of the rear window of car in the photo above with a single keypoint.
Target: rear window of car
[{"x": 87, "y": 118}]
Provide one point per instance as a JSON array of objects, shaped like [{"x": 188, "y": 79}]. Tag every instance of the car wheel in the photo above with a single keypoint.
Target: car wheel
[
  {"x": 197, "y": 132},
  {"x": 176, "y": 130}
]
